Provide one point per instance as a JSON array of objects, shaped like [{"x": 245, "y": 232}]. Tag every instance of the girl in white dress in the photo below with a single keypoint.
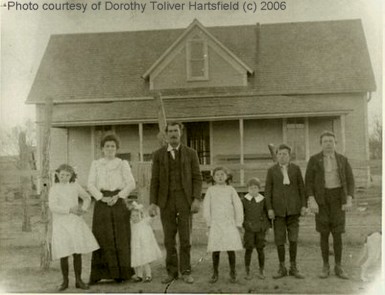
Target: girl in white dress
[
  {"x": 223, "y": 212},
  {"x": 70, "y": 233},
  {"x": 144, "y": 248}
]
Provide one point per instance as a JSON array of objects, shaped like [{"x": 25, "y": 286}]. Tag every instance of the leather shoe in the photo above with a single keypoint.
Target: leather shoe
[
  {"x": 93, "y": 282},
  {"x": 295, "y": 273},
  {"x": 261, "y": 274},
  {"x": 339, "y": 271},
  {"x": 214, "y": 278},
  {"x": 282, "y": 272},
  {"x": 136, "y": 279},
  {"x": 187, "y": 278},
  {"x": 81, "y": 285},
  {"x": 233, "y": 277},
  {"x": 325, "y": 272},
  {"x": 169, "y": 279},
  {"x": 248, "y": 276},
  {"x": 63, "y": 286}
]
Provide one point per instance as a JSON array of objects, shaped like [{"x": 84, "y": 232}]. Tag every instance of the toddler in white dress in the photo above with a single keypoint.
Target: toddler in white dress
[
  {"x": 70, "y": 233},
  {"x": 144, "y": 247}
]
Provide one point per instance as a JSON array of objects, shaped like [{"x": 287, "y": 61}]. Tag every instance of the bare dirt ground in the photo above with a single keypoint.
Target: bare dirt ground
[{"x": 20, "y": 258}]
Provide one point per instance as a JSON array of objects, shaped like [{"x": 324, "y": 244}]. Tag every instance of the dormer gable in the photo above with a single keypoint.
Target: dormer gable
[{"x": 197, "y": 59}]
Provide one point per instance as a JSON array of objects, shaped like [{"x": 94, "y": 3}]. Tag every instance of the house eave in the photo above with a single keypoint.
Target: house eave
[
  {"x": 80, "y": 123},
  {"x": 208, "y": 95}
]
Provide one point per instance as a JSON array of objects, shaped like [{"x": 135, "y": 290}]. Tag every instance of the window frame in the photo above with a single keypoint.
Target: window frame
[{"x": 189, "y": 59}]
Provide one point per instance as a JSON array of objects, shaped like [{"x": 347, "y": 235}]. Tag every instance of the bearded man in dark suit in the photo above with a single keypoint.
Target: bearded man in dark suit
[
  {"x": 330, "y": 190},
  {"x": 176, "y": 185}
]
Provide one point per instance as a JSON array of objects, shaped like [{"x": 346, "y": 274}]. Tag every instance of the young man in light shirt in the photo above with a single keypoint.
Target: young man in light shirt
[{"x": 330, "y": 190}]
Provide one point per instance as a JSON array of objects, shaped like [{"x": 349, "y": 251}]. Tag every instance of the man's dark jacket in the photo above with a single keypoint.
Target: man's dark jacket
[
  {"x": 315, "y": 177},
  {"x": 285, "y": 199},
  {"x": 191, "y": 175}
]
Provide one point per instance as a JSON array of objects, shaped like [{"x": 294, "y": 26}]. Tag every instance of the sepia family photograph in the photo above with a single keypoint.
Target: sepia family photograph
[{"x": 191, "y": 146}]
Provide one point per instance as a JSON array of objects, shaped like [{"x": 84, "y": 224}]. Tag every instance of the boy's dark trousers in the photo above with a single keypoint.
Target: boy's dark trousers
[
  {"x": 257, "y": 240},
  {"x": 288, "y": 224}
]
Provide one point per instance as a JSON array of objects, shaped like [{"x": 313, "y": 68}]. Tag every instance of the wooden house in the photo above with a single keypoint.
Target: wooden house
[{"x": 235, "y": 88}]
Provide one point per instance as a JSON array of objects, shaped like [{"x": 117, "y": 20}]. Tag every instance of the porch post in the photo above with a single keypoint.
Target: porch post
[
  {"x": 284, "y": 133},
  {"x": 343, "y": 138},
  {"x": 211, "y": 134},
  {"x": 307, "y": 147},
  {"x": 140, "y": 126},
  {"x": 242, "y": 162},
  {"x": 92, "y": 143}
]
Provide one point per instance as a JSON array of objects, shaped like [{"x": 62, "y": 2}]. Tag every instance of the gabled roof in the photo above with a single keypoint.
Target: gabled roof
[
  {"x": 288, "y": 58},
  {"x": 194, "y": 24}
]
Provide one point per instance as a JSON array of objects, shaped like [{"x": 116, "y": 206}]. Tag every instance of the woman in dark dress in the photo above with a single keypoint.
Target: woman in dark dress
[{"x": 110, "y": 182}]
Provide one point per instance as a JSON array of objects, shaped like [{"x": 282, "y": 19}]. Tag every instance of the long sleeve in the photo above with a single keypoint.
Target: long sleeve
[
  {"x": 54, "y": 205},
  {"x": 269, "y": 189},
  {"x": 309, "y": 178},
  {"x": 84, "y": 196},
  {"x": 128, "y": 179},
  {"x": 301, "y": 188},
  {"x": 349, "y": 179},
  {"x": 207, "y": 207},
  {"x": 154, "y": 187},
  {"x": 92, "y": 182},
  {"x": 238, "y": 208},
  {"x": 196, "y": 177}
]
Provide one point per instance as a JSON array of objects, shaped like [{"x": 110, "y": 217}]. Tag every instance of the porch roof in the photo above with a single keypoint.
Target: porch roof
[
  {"x": 195, "y": 109},
  {"x": 287, "y": 58}
]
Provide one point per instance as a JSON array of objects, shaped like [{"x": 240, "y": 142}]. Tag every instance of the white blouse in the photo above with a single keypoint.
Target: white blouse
[
  {"x": 64, "y": 196},
  {"x": 110, "y": 175}
]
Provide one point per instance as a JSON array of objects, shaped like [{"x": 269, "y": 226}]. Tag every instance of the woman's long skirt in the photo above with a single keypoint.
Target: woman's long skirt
[{"x": 111, "y": 228}]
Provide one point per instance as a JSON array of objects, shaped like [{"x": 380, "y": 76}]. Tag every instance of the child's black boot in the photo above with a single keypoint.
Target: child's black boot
[
  {"x": 64, "y": 271},
  {"x": 78, "y": 272},
  {"x": 248, "y": 275}
]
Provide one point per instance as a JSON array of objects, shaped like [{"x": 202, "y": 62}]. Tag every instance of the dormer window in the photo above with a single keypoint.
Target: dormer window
[{"x": 197, "y": 60}]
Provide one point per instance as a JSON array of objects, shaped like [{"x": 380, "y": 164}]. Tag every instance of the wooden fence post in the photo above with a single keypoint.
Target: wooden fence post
[
  {"x": 45, "y": 256},
  {"x": 25, "y": 181}
]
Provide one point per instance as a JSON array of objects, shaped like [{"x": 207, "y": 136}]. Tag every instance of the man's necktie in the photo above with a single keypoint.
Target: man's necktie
[{"x": 286, "y": 179}]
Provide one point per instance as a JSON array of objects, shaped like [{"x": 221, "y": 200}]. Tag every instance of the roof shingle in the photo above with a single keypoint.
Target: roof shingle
[{"x": 288, "y": 58}]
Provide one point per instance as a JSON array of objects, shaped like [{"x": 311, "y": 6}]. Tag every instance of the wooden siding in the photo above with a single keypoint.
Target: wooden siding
[
  {"x": 316, "y": 127},
  {"x": 79, "y": 151},
  {"x": 150, "y": 140},
  {"x": 59, "y": 147},
  {"x": 129, "y": 140},
  {"x": 259, "y": 133},
  {"x": 221, "y": 73},
  {"x": 225, "y": 138}
]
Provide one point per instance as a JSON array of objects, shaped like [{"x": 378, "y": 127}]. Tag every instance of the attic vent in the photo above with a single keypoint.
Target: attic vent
[{"x": 197, "y": 60}]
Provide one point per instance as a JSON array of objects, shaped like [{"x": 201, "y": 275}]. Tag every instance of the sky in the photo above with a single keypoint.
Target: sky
[{"x": 25, "y": 34}]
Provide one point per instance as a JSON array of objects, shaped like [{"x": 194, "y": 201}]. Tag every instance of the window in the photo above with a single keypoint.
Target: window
[
  {"x": 197, "y": 59},
  {"x": 198, "y": 138},
  {"x": 295, "y": 132}
]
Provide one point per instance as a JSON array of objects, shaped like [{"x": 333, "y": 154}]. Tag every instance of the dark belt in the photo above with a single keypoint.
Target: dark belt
[
  {"x": 333, "y": 189},
  {"x": 110, "y": 193}
]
